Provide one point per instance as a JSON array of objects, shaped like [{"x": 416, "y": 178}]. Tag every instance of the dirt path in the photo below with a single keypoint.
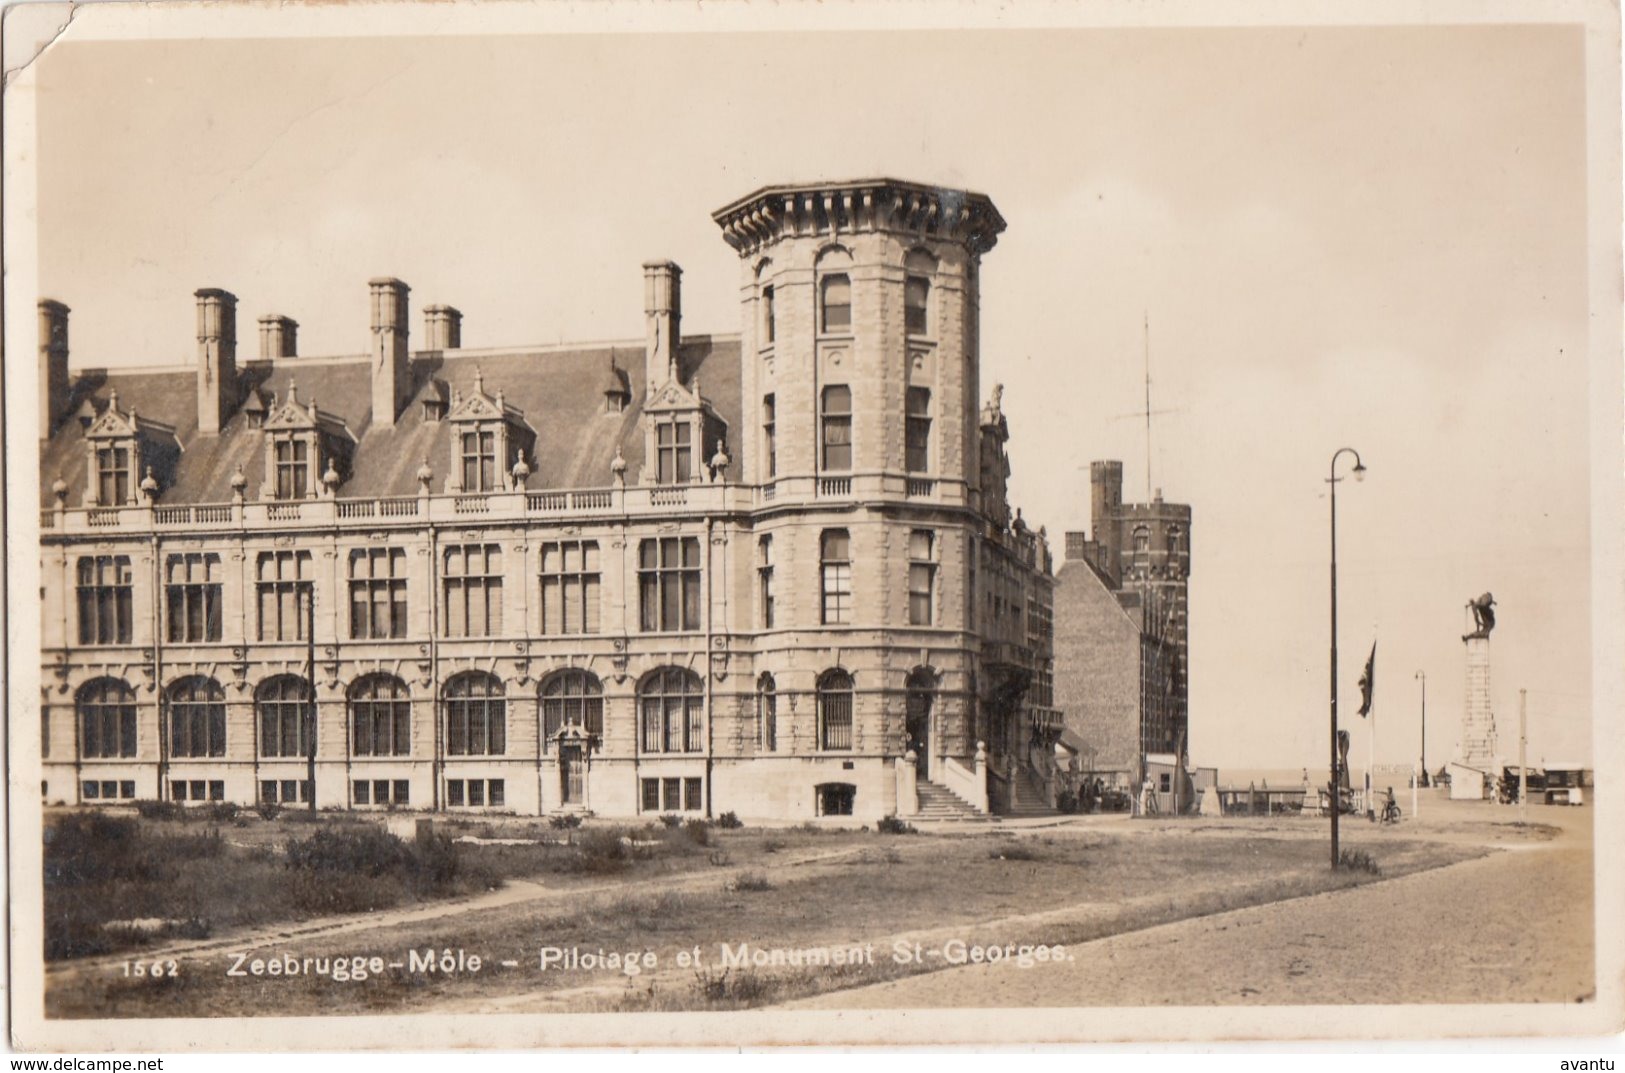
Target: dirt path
[{"x": 1511, "y": 927}]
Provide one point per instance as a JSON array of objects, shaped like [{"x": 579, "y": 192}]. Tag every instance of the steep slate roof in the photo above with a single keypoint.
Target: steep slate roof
[{"x": 560, "y": 392}]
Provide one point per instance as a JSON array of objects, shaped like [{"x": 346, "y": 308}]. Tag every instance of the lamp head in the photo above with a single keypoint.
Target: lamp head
[{"x": 1359, "y": 470}]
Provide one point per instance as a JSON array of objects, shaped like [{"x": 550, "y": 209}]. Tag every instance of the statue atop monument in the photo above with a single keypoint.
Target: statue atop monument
[{"x": 1483, "y": 610}]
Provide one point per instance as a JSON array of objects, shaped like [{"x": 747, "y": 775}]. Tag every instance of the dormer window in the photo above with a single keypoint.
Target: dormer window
[
  {"x": 479, "y": 461},
  {"x": 292, "y": 462},
  {"x": 489, "y": 439},
  {"x": 112, "y": 475},
  {"x": 674, "y": 452},
  {"x": 835, "y": 296}
]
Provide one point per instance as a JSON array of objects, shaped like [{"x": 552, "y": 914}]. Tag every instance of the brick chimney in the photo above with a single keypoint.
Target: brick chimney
[
  {"x": 1077, "y": 546},
  {"x": 53, "y": 364},
  {"x": 442, "y": 328},
  {"x": 279, "y": 337},
  {"x": 663, "y": 317},
  {"x": 216, "y": 357},
  {"x": 391, "y": 367}
]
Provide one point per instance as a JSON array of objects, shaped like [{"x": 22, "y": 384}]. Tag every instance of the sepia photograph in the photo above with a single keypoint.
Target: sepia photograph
[{"x": 811, "y": 525}]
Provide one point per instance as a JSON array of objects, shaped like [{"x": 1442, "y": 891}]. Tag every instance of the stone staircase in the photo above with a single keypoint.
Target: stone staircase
[
  {"x": 938, "y": 805},
  {"x": 1027, "y": 800}
]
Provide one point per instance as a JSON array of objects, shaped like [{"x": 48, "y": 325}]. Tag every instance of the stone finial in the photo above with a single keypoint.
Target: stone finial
[
  {"x": 293, "y": 393},
  {"x": 521, "y": 472},
  {"x": 59, "y": 488},
  {"x": 330, "y": 477},
  {"x": 719, "y": 461},
  {"x": 617, "y": 466},
  {"x": 112, "y": 400},
  {"x": 149, "y": 485},
  {"x": 238, "y": 482},
  {"x": 425, "y": 476},
  {"x": 479, "y": 381}
]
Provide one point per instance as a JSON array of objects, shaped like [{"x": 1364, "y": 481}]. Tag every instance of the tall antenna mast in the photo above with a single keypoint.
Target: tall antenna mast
[{"x": 1148, "y": 406}]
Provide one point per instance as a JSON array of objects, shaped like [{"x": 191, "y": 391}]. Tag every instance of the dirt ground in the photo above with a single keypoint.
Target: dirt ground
[
  {"x": 1515, "y": 926},
  {"x": 1119, "y": 894}
]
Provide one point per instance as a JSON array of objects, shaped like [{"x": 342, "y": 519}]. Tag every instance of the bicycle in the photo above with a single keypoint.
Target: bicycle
[{"x": 1390, "y": 812}]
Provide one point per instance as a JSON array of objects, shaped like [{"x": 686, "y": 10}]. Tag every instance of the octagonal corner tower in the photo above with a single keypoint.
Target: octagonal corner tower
[{"x": 861, "y": 297}]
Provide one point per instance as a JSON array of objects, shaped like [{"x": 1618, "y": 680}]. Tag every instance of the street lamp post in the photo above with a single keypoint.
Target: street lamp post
[
  {"x": 1423, "y": 677},
  {"x": 1337, "y": 788}
]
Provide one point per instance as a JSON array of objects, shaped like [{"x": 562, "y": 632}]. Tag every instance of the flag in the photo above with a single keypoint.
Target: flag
[{"x": 1368, "y": 681}]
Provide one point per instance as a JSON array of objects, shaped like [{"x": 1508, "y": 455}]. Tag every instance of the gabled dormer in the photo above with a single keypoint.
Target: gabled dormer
[
  {"x": 681, "y": 431},
  {"x": 122, "y": 452},
  {"x": 489, "y": 438},
  {"x": 307, "y": 451}
]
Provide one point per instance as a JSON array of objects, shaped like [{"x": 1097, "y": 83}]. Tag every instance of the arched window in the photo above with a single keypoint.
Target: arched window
[
  {"x": 476, "y": 715},
  {"x": 380, "y": 716},
  {"x": 672, "y": 708},
  {"x": 286, "y": 717},
  {"x": 835, "y": 710},
  {"x": 767, "y": 713},
  {"x": 572, "y": 699},
  {"x": 197, "y": 718},
  {"x": 835, "y": 300},
  {"x": 916, "y": 297},
  {"x": 1142, "y": 547},
  {"x": 106, "y": 719}
]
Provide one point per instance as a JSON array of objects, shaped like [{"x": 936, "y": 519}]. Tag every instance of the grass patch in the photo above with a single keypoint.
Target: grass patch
[{"x": 1358, "y": 860}]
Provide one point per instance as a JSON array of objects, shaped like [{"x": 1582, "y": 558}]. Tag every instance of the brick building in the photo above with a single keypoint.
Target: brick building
[
  {"x": 771, "y": 572},
  {"x": 1120, "y": 633}
]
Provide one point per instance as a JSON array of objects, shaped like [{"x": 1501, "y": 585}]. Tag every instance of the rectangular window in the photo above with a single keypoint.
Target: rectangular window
[
  {"x": 112, "y": 476},
  {"x": 473, "y": 586},
  {"x": 835, "y": 576},
  {"x": 126, "y": 788},
  {"x": 836, "y": 295},
  {"x": 837, "y": 425},
  {"x": 193, "y": 598},
  {"x": 217, "y": 790},
  {"x": 922, "y": 577},
  {"x": 651, "y": 795},
  {"x": 916, "y": 299},
  {"x": 284, "y": 580},
  {"x": 769, "y": 316},
  {"x": 363, "y": 792},
  {"x": 669, "y": 584},
  {"x": 764, "y": 574},
  {"x": 479, "y": 461},
  {"x": 177, "y": 791},
  {"x": 403, "y": 792},
  {"x": 377, "y": 593},
  {"x": 473, "y": 793},
  {"x": 674, "y": 454},
  {"x": 106, "y": 602},
  {"x": 90, "y": 790},
  {"x": 770, "y": 439},
  {"x": 671, "y": 793},
  {"x": 570, "y": 587},
  {"x": 917, "y": 430},
  {"x": 292, "y": 468},
  {"x": 692, "y": 798}
]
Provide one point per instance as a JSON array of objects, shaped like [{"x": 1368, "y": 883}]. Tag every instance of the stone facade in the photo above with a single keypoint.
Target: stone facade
[
  {"x": 1479, "y": 747},
  {"x": 1141, "y": 552},
  {"x": 693, "y": 574}
]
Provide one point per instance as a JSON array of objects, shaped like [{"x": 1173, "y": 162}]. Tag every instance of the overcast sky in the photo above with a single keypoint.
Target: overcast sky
[{"x": 1371, "y": 237}]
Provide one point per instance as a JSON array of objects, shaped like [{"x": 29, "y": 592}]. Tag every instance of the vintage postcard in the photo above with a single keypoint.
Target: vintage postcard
[{"x": 545, "y": 525}]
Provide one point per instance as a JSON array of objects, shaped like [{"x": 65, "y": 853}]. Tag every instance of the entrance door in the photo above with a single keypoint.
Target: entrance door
[
  {"x": 570, "y": 788},
  {"x": 919, "y": 730}
]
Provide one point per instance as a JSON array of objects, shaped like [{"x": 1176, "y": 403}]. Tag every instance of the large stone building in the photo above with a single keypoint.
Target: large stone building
[
  {"x": 772, "y": 572},
  {"x": 1121, "y": 636}
]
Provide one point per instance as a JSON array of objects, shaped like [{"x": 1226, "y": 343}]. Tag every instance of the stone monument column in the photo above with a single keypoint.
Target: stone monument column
[
  {"x": 1479, "y": 747},
  {"x": 1478, "y": 744}
]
